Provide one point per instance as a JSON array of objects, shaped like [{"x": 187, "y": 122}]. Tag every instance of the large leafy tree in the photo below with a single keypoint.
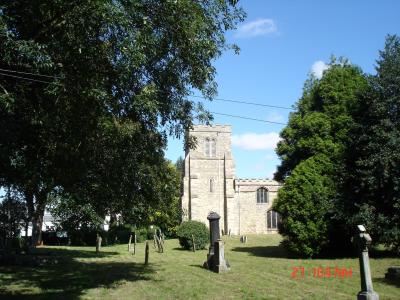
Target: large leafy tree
[
  {"x": 114, "y": 67},
  {"x": 311, "y": 151},
  {"x": 372, "y": 186}
]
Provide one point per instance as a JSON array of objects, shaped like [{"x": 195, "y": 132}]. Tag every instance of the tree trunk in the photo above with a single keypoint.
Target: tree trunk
[
  {"x": 37, "y": 222},
  {"x": 36, "y": 212}
]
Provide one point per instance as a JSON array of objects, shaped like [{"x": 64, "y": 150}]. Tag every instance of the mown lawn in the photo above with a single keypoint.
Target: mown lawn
[{"x": 260, "y": 269}]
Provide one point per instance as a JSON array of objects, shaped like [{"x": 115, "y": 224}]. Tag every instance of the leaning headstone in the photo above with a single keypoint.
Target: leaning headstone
[
  {"x": 216, "y": 256},
  {"x": 129, "y": 243},
  {"x": 363, "y": 240}
]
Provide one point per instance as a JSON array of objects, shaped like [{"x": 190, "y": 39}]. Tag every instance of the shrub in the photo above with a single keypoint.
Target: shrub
[
  {"x": 87, "y": 237},
  {"x": 141, "y": 235},
  {"x": 305, "y": 202},
  {"x": 196, "y": 229},
  {"x": 120, "y": 234}
]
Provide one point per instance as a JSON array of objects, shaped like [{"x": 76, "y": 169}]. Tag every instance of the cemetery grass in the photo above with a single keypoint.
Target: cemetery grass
[{"x": 260, "y": 269}]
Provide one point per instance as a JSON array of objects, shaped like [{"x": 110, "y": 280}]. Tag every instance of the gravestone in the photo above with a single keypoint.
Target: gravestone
[
  {"x": 216, "y": 255},
  {"x": 363, "y": 240},
  {"x": 98, "y": 243}
]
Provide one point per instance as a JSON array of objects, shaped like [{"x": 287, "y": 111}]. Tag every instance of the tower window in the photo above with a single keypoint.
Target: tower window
[
  {"x": 272, "y": 219},
  {"x": 262, "y": 195},
  {"x": 210, "y": 149}
]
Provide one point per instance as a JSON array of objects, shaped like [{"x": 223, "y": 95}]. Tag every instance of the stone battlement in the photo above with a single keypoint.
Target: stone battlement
[
  {"x": 213, "y": 128},
  {"x": 256, "y": 181}
]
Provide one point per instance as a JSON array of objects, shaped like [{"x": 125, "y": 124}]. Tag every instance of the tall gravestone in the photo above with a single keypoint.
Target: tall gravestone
[
  {"x": 216, "y": 256},
  {"x": 363, "y": 240}
]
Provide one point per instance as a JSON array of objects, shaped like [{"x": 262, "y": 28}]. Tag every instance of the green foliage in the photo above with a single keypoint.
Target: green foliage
[
  {"x": 71, "y": 214},
  {"x": 372, "y": 185},
  {"x": 162, "y": 207},
  {"x": 196, "y": 229},
  {"x": 120, "y": 73},
  {"x": 312, "y": 154},
  {"x": 141, "y": 234},
  {"x": 120, "y": 234},
  {"x": 86, "y": 237},
  {"x": 304, "y": 203},
  {"x": 13, "y": 216}
]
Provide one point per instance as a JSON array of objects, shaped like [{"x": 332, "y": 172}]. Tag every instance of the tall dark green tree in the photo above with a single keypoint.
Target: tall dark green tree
[
  {"x": 113, "y": 66},
  {"x": 311, "y": 151},
  {"x": 372, "y": 186}
]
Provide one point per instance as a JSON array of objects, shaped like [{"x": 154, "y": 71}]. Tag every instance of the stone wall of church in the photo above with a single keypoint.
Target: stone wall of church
[{"x": 252, "y": 215}]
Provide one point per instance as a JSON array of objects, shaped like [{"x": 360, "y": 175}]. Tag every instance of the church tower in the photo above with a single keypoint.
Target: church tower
[{"x": 209, "y": 176}]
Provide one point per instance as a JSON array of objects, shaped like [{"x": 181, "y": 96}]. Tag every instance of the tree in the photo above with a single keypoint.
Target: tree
[
  {"x": 112, "y": 66},
  {"x": 304, "y": 204},
  {"x": 13, "y": 217},
  {"x": 372, "y": 185},
  {"x": 312, "y": 149}
]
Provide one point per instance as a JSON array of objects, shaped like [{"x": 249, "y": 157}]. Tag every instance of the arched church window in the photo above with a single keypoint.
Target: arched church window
[
  {"x": 210, "y": 147},
  {"x": 273, "y": 219},
  {"x": 211, "y": 184},
  {"x": 262, "y": 195}
]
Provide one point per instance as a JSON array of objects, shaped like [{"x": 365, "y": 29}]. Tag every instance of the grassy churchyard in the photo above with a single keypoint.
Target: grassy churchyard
[{"x": 260, "y": 269}]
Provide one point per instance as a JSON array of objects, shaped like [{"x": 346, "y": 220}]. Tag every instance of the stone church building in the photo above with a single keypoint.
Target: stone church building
[{"x": 210, "y": 185}]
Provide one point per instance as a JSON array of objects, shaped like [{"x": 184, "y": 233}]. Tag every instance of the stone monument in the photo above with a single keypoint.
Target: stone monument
[
  {"x": 216, "y": 257},
  {"x": 363, "y": 240}
]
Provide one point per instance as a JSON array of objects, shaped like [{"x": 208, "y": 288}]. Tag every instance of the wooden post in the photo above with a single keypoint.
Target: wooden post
[
  {"x": 193, "y": 244},
  {"x": 146, "y": 254},
  {"x": 129, "y": 243}
]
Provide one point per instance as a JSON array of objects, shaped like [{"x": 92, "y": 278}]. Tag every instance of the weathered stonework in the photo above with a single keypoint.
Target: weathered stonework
[{"x": 210, "y": 185}]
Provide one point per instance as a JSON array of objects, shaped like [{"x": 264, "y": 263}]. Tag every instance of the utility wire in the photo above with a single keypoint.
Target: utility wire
[
  {"x": 24, "y": 78},
  {"x": 243, "y": 102},
  {"x": 247, "y": 118},
  {"x": 27, "y": 73},
  {"x": 216, "y": 113}
]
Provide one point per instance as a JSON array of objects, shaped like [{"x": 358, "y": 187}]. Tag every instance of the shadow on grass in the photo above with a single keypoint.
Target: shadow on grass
[
  {"x": 71, "y": 253},
  {"x": 68, "y": 278},
  {"x": 387, "y": 281},
  {"x": 267, "y": 251}
]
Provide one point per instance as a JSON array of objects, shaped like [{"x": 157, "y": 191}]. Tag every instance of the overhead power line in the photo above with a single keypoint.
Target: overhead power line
[
  {"x": 247, "y": 118},
  {"x": 28, "y": 73},
  {"x": 24, "y": 78},
  {"x": 244, "y": 102}
]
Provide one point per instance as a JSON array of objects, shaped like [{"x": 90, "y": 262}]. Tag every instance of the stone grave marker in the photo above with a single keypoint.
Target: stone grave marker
[
  {"x": 216, "y": 257},
  {"x": 363, "y": 240}
]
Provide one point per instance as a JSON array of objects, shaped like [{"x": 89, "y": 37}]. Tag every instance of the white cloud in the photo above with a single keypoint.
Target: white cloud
[
  {"x": 257, "y": 28},
  {"x": 256, "y": 141},
  {"x": 318, "y": 68}
]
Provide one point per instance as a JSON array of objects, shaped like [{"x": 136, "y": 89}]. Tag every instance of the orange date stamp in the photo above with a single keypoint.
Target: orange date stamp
[{"x": 321, "y": 272}]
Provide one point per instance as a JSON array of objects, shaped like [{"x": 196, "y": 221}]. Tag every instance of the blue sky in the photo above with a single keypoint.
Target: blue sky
[{"x": 281, "y": 43}]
